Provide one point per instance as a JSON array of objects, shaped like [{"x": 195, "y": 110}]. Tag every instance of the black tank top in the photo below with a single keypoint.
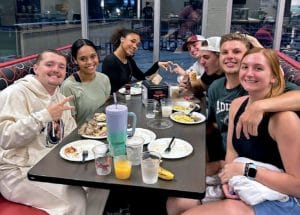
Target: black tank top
[{"x": 259, "y": 148}]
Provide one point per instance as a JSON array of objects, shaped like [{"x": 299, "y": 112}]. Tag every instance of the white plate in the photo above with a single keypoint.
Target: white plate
[
  {"x": 133, "y": 90},
  {"x": 147, "y": 134},
  {"x": 80, "y": 145},
  {"x": 95, "y": 137},
  {"x": 201, "y": 118},
  {"x": 184, "y": 105},
  {"x": 180, "y": 148}
]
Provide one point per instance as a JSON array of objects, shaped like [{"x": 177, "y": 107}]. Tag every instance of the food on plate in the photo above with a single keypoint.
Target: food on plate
[
  {"x": 184, "y": 106},
  {"x": 93, "y": 128},
  {"x": 100, "y": 117},
  {"x": 165, "y": 174},
  {"x": 184, "y": 118},
  {"x": 181, "y": 108},
  {"x": 70, "y": 150}
]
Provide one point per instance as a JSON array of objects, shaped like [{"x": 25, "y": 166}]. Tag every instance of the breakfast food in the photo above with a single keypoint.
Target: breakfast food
[
  {"x": 100, "y": 117},
  {"x": 184, "y": 106},
  {"x": 94, "y": 129},
  {"x": 183, "y": 118},
  {"x": 70, "y": 150}
]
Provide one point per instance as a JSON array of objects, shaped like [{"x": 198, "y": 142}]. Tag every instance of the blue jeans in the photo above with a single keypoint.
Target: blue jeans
[{"x": 290, "y": 207}]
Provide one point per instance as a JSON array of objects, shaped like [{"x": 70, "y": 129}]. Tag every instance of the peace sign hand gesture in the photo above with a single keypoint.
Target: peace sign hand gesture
[{"x": 56, "y": 110}]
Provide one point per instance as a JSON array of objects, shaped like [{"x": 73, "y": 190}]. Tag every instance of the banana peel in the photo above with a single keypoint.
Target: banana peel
[{"x": 165, "y": 174}]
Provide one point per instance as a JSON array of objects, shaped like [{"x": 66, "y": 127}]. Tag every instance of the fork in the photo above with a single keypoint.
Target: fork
[
  {"x": 190, "y": 112},
  {"x": 85, "y": 153},
  {"x": 168, "y": 149}
]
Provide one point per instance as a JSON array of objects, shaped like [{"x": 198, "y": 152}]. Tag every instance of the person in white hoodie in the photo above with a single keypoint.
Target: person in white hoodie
[{"x": 27, "y": 107}]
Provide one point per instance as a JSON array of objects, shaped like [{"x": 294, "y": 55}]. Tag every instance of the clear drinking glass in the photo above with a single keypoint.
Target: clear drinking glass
[
  {"x": 150, "y": 108},
  {"x": 103, "y": 160},
  {"x": 166, "y": 107},
  {"x": 150, "y": 166},
  {"x": 134, "y": 149}
]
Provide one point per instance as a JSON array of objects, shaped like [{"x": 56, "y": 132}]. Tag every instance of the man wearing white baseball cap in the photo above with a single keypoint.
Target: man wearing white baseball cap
[
  {"x": 211, "y": 44},
  {"x": 193, "y": 45},
  {"x": 209, "y": 59}
]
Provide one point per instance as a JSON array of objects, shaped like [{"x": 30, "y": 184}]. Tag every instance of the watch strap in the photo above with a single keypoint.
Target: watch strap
[{"x": 246, "y": 169}]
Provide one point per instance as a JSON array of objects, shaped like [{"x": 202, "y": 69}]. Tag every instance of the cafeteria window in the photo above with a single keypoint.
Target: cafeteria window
[
  {"x": 290, "y": 39},
  {"x": 256, "y": 18}
]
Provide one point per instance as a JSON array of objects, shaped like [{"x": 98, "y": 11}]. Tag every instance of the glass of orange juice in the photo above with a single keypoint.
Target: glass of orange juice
[{"x": 122, "y": 167}]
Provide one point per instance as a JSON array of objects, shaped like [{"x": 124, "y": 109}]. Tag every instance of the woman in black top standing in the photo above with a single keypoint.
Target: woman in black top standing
[{"x": 120, "y": 66}]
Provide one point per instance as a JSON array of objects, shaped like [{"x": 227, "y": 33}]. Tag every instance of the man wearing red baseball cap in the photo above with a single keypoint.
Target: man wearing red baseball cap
[
  {"x": 193, "y": 45},
  {"x": 192, "y": 40}
]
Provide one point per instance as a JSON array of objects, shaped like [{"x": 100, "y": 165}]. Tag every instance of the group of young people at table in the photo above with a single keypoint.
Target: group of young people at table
[
  {"x": 229, "y": 67},
  {"x": 246, "y": 106}
]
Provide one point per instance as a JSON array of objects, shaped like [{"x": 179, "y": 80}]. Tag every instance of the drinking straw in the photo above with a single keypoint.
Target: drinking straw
[{"x": 115, "y": 99}]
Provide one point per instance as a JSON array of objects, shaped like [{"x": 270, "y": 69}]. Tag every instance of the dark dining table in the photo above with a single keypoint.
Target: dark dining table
[{"x": 189, "y": 172}]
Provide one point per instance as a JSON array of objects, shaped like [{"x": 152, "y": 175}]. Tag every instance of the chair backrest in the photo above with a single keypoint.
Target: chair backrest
[
  {"x": 290, "y": 67},
  {"x": 13, "y": 70}
]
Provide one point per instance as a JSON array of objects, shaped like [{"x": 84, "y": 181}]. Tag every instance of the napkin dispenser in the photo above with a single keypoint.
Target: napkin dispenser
[{"x": 149, "y": 90}]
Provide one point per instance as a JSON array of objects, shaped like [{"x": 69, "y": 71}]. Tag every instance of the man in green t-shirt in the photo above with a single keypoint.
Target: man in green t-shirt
[{"x": 223, "y": 91}]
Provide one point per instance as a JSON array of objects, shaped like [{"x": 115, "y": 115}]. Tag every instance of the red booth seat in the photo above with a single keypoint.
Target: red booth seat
[
  {"x": 16, "y": 69},
  {"x": 12, "y": 208}
]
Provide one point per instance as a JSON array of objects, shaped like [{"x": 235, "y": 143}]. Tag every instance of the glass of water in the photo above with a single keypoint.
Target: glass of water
[
  {"x": 150, "y": 108},
  {"x": 150, "y": 166}
]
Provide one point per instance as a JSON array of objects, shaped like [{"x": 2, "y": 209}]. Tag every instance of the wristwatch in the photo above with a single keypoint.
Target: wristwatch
[{"x": 250, "y": 170}]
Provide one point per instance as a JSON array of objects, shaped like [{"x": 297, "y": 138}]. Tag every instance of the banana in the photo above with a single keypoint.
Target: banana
[{"x": 165, "y": 174}]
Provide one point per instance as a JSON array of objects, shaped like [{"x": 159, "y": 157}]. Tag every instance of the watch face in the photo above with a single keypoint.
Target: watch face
[{"x": 252, "y": 172}]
